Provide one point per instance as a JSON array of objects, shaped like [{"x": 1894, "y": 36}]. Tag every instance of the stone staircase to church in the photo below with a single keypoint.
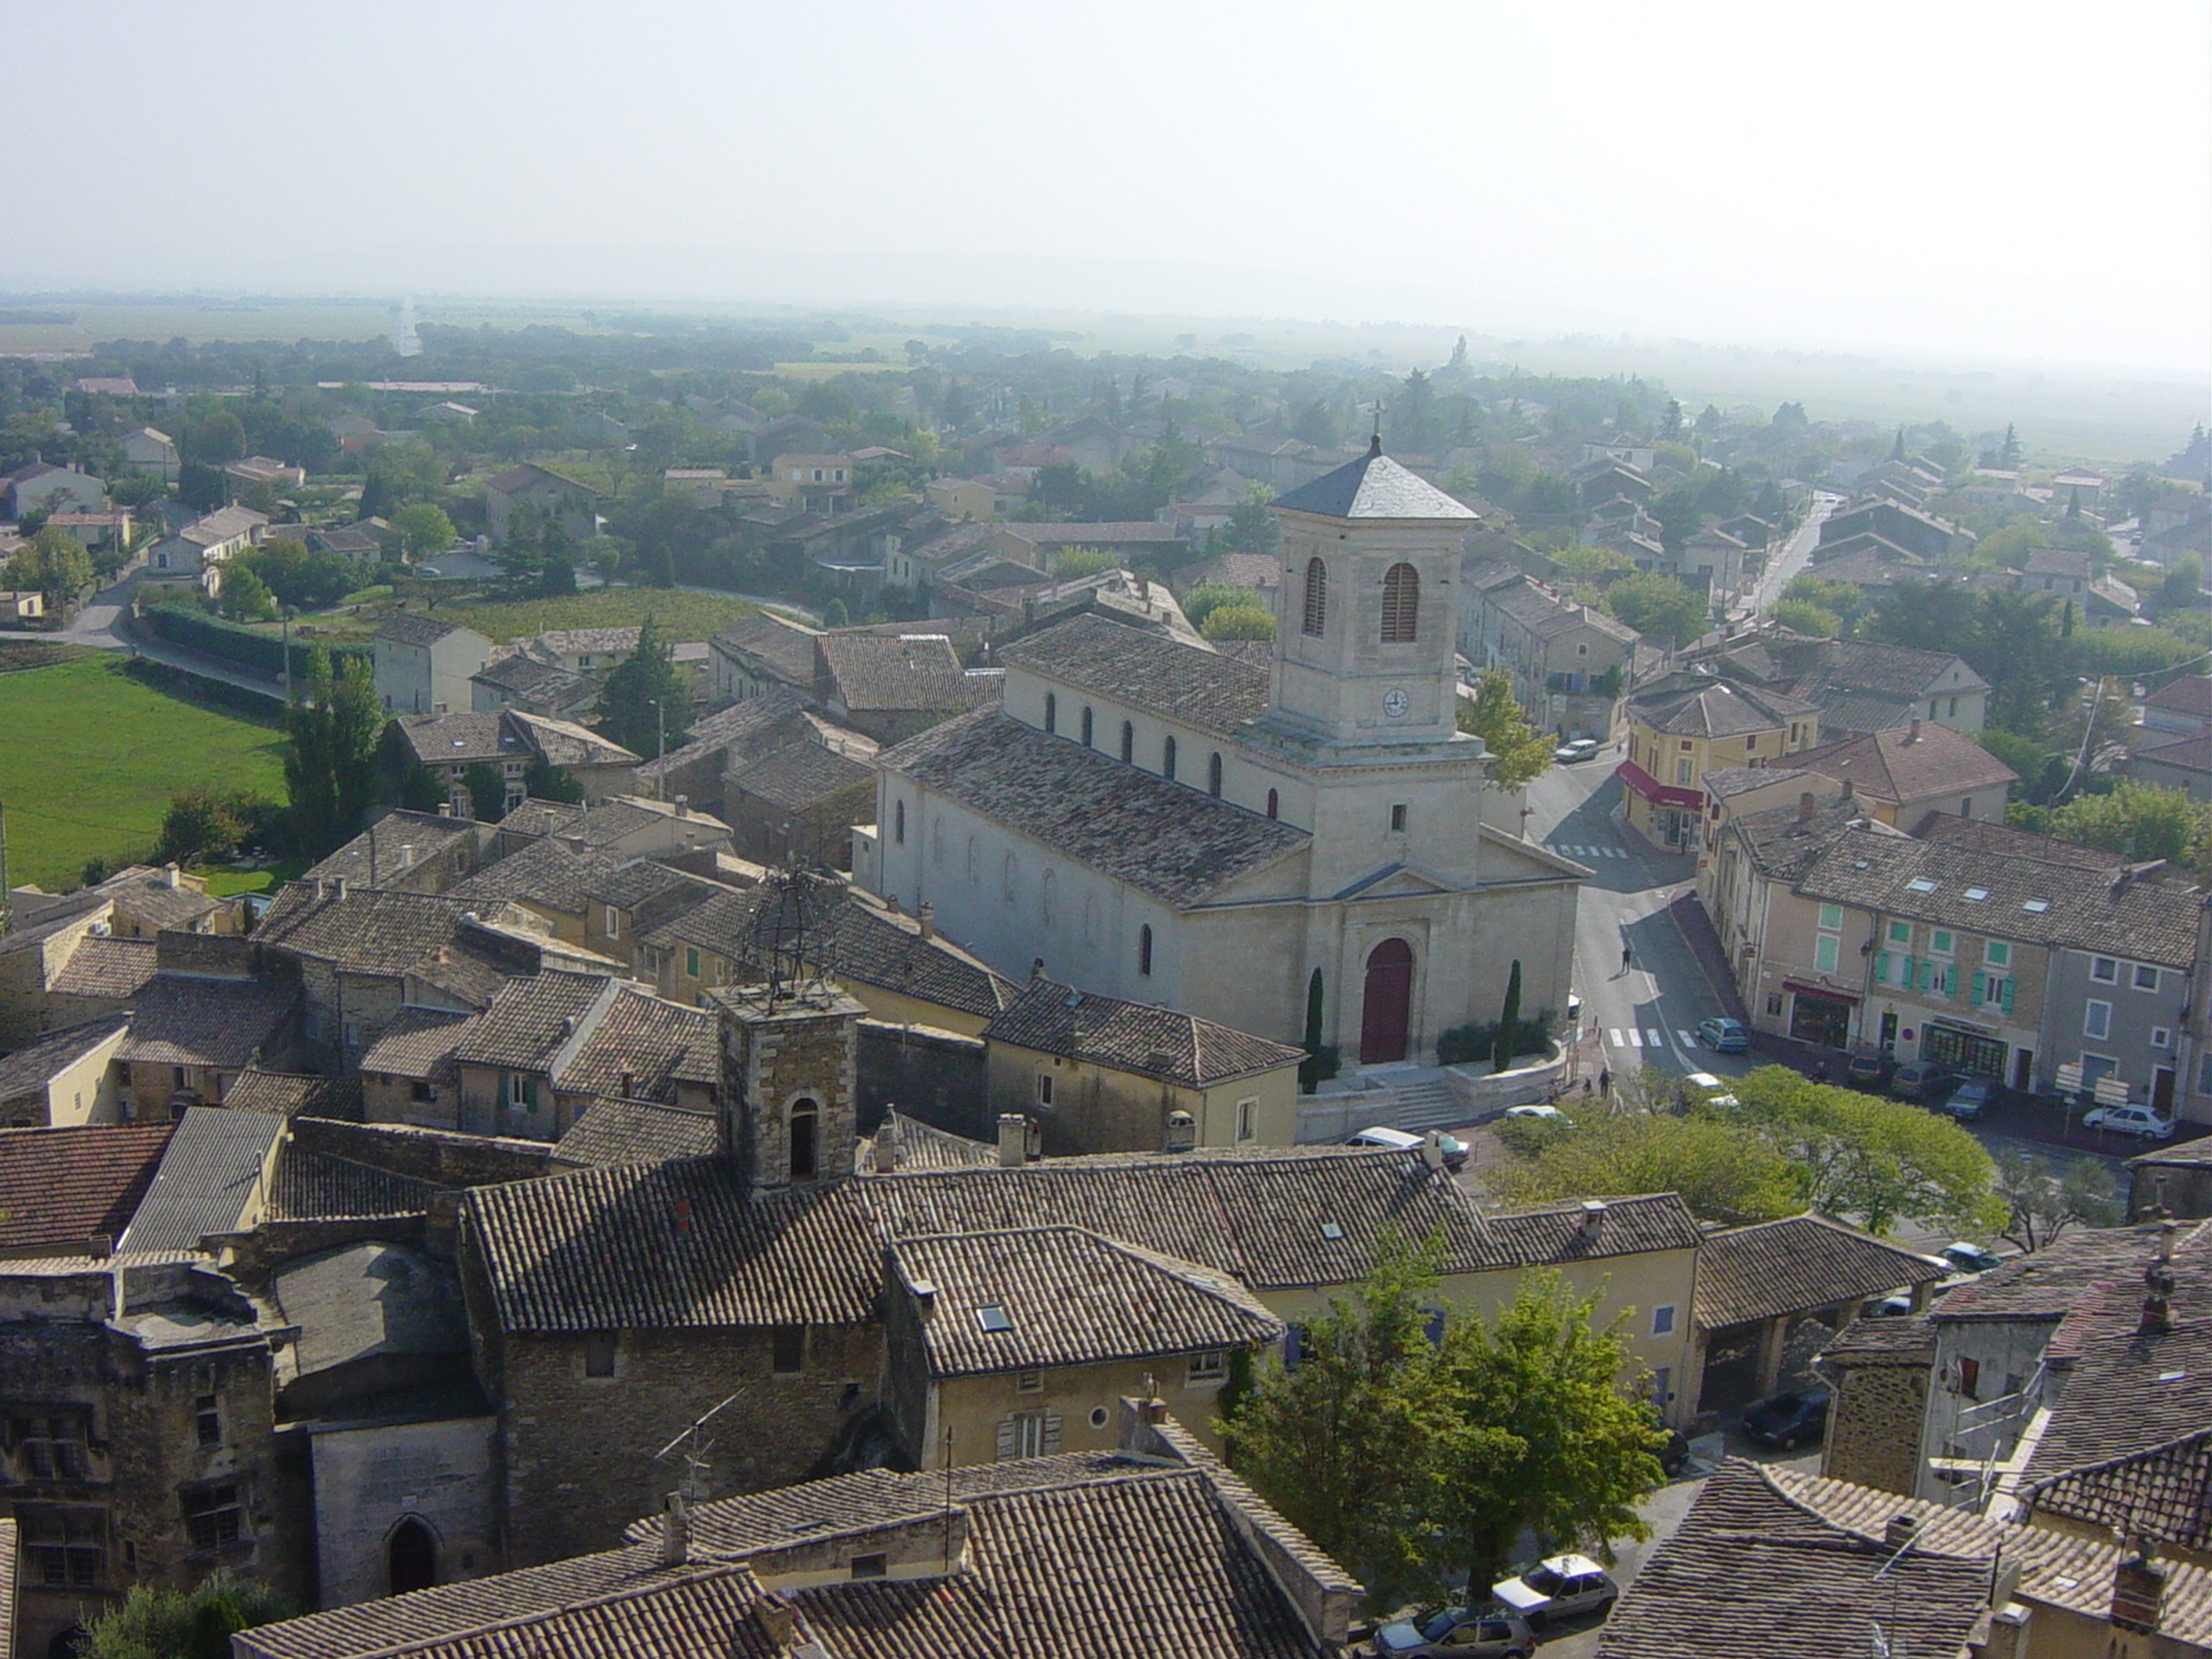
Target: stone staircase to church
[{"x": 1427, "y": 1103}]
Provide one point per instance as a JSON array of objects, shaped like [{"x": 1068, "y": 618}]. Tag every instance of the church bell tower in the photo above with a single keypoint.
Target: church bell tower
[{"x": 1366, "y": 645}]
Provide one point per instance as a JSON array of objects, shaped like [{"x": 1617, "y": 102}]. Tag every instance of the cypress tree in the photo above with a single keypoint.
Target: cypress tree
[{"x": 1508, "y": 1022}]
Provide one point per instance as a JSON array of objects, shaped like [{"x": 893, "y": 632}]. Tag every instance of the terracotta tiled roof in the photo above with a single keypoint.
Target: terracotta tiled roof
[
  {"x": 1796, "y": 1265},
  {"x": 415, "y": 628},
  {"x": 917, "y": 672},
  {"x": 2164, "y": 1493},
  {"x": 2020, "y": 898},
  {"x": 1157, "y": 1041},
  {"x": 64, "y": 1186},
  {"x": 2189, "y": 695},
  {"x": 1711, "y": 708},
  {"x": 804, "y": 775},
  {"x": 1067, "y": 1297},
  {"x": 183, "y": 1021},
  {"x": 142, "y": 893},
  {"x": 531, "y": 1021},
  {"x": 902, "y": 1142},
  {"x": 287, "y": 1094},
  {"x": 673, "y": 1244},
  {"x": 31, "y": 1068},
  {"x": 613, "y": 1131},
  {"x": 1906, "y": 764},
  {"x": 564, "y": 743},
  {"x": 418, "y": 1043},
  {"x": 316, "y": 1186},
  {"x": 651, "y": 1043},
  {"x": 1988, "y": 837},
  {"x": 400, "y": 840},
  {"x": 1750, "y": 1574},
  {"x": 549, "y": 871},
  {"x": 378, "y": 933},
  {"x": 2165, "y": 1380},
  {"x": 118, "y": 969},
  {"x": 1194, "y": 684},
  {"x": 733, "y": 727},
  {"x": 1176, "y": 843},
  {"x": 1897, "y": 1338}
]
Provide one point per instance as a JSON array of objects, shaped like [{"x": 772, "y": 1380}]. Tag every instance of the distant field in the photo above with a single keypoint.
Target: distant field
[{"x": 89, "y": 758}]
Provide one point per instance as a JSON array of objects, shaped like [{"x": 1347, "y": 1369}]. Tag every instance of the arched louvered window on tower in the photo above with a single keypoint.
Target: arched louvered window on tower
[
  {"x": 1401, "y": 605},
  {"x": 1317, "y": 597}
]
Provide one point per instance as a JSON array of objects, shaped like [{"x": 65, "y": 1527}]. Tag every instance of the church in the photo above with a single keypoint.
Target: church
[{"x": 1294, "y": 848}]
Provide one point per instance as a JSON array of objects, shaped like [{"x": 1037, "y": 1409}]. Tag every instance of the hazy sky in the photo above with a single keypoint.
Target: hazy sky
[{"x": 2015, "y": 180}]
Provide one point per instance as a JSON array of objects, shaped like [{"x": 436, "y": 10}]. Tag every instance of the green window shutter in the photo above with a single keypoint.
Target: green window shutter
[
  {"x": 1978, "y": 980},
  {"x": 2008, "y": 995},
  {"x": 1926, "y": 972},
  {"x": 1881, "y": 966}
]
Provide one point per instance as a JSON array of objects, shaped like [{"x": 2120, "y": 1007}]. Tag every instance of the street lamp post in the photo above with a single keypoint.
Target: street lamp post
[{"x": 660, "y": 741}]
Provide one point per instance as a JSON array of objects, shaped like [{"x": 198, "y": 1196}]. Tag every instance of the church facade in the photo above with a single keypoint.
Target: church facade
[{"x": 1265, "y": 846}]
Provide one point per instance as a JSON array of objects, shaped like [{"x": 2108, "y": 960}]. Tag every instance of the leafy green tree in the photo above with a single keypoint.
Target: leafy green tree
[
  {"x": 423, "y": 530},
  {"x": 834, "y": 615},
  {"x": 2044, "y": 1199},
  {"x": 1508, "y": 1022},
  {"x": 644, "y": 700},
  {"x": 1238, "y": 622},
  {"x": 299, "y": 577},
  {"x": 1202, "y": 601},
  {"x": 1658, "y": 606},
  {"x": 201, "y": 823},
  {"x": 55, "y": 563},
  {"x": 544, "y": 781},
  {"x": 196, "y": 1623},
  {"x": 1369, "y": 1396},
  {"x": 2137, "y": 820},
  {"x": 1670, "y": 422},
  {"x": 1618, "y": 1150},
  {"x": 487, "y": 792},
  {"x": 1519, "y": 753},
  {"x": 1581, "y": 557},
  {"x": 1861, "y": 1155},
  {"x": 1805, "y": 617},
  {"x": 1549, "y": 1441},
  {"x": 245, "y": 595},
  {"x": 1926, "y": 615},
  {"x": 1252, "y": 526},
  {"x": 333, "y": 730},
  {"x": 1320, "y": 1062}
]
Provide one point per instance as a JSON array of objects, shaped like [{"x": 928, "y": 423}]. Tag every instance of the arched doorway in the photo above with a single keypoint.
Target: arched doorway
[
  {"x": 1385, "y": 1009},
  {"x": 411, "y": 1557}
]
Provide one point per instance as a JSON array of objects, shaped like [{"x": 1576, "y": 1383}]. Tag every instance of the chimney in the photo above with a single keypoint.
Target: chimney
[
  {"x": 1593, "y": 1219},
  {"x": 1036, "y": 968},
  {"x": 1014, "y": 1139},
  {"x": 773, "y": 1617},
  {"x": 2008, "y": 1633},
  {"x": 1431, "y": 1149},
  {"x": 445, "y": 809},
  {"x": 1901, "y": 1531},
  {"x": 675, "y": 1532},
  {"x": 406, "y": 854},
  {"x": 172, "y": 877},
  {"x": 887, "y": 1142},
  {"x": 1805, "y": 807},
  {"x": 1912, "y": 732},
  {"x": 684, "y": 806},
  {"x": 1847, "y": 791},
  {"x": 343, "y": 884},
  {"x": 2139, "y": 1593},
  {"x": 629, "y": 1083},
  {"x": 926, "y": 915},
  {"x": 2157, "y": 1318},
  {"x": 891, "y": 903}
]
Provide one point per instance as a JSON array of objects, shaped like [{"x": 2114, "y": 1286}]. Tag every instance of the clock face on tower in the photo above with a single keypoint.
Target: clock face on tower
[{"x": 1393, "y": 703}]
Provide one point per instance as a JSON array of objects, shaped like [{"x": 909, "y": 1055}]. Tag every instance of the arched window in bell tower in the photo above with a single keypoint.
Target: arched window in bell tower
[
  {"x": 806, "y": 1118},
  {"x": 1317, "y": 597},
  {"x": 1401, "y": 605}
]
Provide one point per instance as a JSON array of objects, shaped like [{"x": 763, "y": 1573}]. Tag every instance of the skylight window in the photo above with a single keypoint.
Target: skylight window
[
  {"x": 1331, "y": 1231},
  {"x": 1921, "y": 884},
  {"x": 2036, "y": 907},
  {"x": 992, "y": 1316},
  {"x": 1977, "y": 895}
]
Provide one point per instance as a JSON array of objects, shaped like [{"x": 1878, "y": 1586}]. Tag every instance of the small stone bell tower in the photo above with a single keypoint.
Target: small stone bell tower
[{"x": 785, "y": 1097}]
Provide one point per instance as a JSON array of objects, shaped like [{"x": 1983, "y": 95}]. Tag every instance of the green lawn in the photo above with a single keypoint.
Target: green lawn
[
  {"x": 684, "y": 615},
  {"x": 89, "y": 758}
]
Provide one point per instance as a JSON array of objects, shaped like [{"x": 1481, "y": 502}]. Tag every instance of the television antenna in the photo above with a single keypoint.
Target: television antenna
[
  {"x": 791, "y": 934},
  {"x": 694, "y": 1451}
]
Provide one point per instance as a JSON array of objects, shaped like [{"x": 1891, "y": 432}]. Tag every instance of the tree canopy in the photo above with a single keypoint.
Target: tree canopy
[
  {"x": 195, "y": 1624},
  {"x": 53, "y": 562},
  {"x": 1658, "y": 607},
  {"x": 332, "y": 730},
  {"x": 1519, "y": 753},
  {"x": 1416, "y": 1442},
  {"x": 644, "y": 702}
]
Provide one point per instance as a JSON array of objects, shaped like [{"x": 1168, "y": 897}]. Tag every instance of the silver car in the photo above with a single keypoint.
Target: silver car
[{"x": 1455, "y": 1633}]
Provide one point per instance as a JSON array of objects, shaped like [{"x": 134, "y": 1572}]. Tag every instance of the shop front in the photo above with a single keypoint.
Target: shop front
[
  {"x": 1819, "y": 1014},
  {"x": 1667, "y": 813},
  {"x": 1972, "y": 1051}
]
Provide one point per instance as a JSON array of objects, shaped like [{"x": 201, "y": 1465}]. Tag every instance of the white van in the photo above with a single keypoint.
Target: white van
[{"x": 1454, "y": 1150}]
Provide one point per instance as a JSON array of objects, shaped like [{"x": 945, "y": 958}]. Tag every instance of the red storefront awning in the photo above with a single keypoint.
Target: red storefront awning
[
  {"x": 1806, "y": 989},
  {"x": 1659, "y": 794}
]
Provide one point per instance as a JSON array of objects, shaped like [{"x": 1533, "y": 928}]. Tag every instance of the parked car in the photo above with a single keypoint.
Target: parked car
[
  {"x": 1970, "y": 1099},
  {"x": 1891, "y": 1307},
  {"x": 1540, "y": 1114},
  {"x": 2129, "y": 1120},
  {"x": 1454, "y": 1149},
  {"x": 1724, "y": 1036},
  {"x": 1967, "y": 1257},
  {"x": 1704, "y": 1086},
  {"x": 1563, "y": 1587},
  {"x": 1790, "y": 1419},
  {"x": 1921, "y": 1080},
  {"x": 1455, "y": 1633},
  {"x": 1582, "y": 748},
  {"x": 1866, "y": 1070}
]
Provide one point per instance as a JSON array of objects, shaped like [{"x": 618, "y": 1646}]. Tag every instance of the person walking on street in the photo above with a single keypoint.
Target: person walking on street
[
  {"x": 1628, "y": 957},
  {"x": 1605, "y": 1083}
]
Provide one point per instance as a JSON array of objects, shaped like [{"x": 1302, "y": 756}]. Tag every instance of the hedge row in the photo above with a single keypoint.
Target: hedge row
[{"x": 258, "y": 653}]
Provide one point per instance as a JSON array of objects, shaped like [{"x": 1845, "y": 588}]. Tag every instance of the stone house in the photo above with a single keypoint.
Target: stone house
[
  {"x": 522, "y": 681},
  {"x": 1138, "y": 541},
  {"x": 1571, "y": 664},
  {"x": 1901, "y": 775},
  {"x": 2062, "y": 572},
  {"x": 963, "y": 498},
  {"x": 1098, "y": 1074},
  {"x": 1686, "y": 724},
  {"x": 2183, "y": 763},
  {"x": 759, "y": 653},
  {"x": 798, "y": 803},
  {"x": 1002, "y": 1560},
  {"x": 1159, "y": 821},
  {"x": 423, "y": 666},
  {"x": 890, "y": 686},
  {"x": 199, "y": 548},
  {"x": 63, "y": 1078},
  {"x": 150, "y": 453},
  {"x": 192, "y": 1034},
  {"x": 509, "y": 743},
  {"x": 35, "y": 956},
  {"x": 415, "y": 852},
  {"x": 41, "y": 486},
  {"x": 530, "y": 494},
  {"x": 1918, "y": 533},
  {"x": 812, "y": 482},
  {"x": 140, "y": 1447},
  {"x": 1856, "y": 686},
  {"x": 1018, "y": 1344}
]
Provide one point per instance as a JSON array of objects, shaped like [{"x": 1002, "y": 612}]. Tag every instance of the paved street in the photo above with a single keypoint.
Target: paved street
[{"x": 1788, "y": 562}]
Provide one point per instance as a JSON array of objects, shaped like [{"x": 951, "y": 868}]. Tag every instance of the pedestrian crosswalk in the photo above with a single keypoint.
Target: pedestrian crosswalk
[
  {"x": 1594, "y": 849},
  {"x": 1646, "y": 1037}
]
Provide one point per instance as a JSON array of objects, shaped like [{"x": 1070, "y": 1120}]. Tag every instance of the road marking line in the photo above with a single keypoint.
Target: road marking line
[
  {"x": 1657, "y": 1037},
  {"x": 1688, "y": 1041},
  {"x": 1635, "y": 1038}
]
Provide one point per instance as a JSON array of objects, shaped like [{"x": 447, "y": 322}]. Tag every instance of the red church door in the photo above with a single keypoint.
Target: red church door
[{"x": 1383, "y": 1014}]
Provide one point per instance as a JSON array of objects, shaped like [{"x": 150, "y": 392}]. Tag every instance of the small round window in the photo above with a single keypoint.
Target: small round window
[{"x": 1099, "y": 1416}]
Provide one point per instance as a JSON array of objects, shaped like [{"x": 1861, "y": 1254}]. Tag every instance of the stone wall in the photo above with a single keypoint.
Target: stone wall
[
  {"x": 580, "y": 1451},
  {"x": 934, "y": 1076},
  {"x": 368, "y": 1481},
  {"x": 440, "y": 1155},
  {"x": 1874, "y": 1422}
]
